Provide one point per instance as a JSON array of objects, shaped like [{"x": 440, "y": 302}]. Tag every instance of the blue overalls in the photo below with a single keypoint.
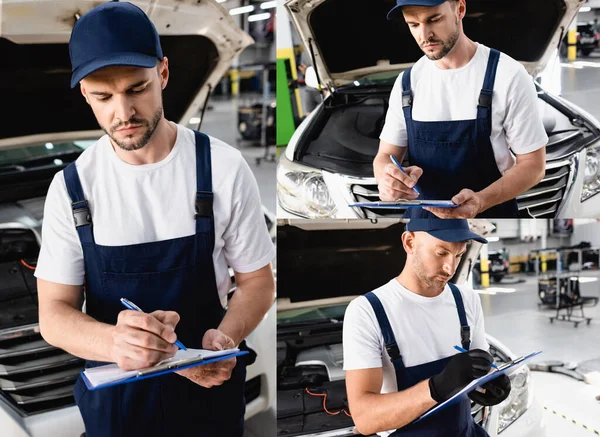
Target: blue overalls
[
  {"x": 455, "y": 154},
  {"x": 453, "y": 421},
  {"x": 177, "y": 275}
]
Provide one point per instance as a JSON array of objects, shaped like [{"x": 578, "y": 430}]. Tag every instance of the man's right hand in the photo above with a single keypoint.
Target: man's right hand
[
  {"x": 142, "y": 340},
  {"x": 459, "y": 372},
  {"x": 393, "y": 184}
]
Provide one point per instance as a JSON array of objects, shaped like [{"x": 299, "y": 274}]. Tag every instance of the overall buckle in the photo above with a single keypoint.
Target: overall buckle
[
  {"x": 204, "y": 204},
  {"x": 81, "y": 213}
]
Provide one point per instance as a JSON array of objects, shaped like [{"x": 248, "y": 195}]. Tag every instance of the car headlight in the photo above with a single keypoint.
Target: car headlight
[
  {"x": 301, "y": 190},
  {"x": 519, "y": 400},
  {"x": 591, "y": 181}
]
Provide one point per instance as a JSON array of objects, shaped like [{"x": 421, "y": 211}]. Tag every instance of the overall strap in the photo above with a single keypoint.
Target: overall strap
[
  {"x": 465, "y": 330},
  {"x": 386, "y": 329},
  {"x": 484, "y": 106},
  {"x": 80, "y": 207},
  {"x": 407, "y": 99},
  {"x": 204, "y": 193}
]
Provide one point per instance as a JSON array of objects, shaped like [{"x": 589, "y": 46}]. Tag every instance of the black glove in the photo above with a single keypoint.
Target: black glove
[
  {"x": 460, "y": 371},
  {"x": 495, "y": 392}
]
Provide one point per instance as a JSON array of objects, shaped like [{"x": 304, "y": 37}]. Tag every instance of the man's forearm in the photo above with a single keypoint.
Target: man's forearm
[
  {"x": 75, "y": 332},
  {"x": 381, "y": 412},
  {"x": 514, "y": 182},
  {"x": 249, "y": 304}
]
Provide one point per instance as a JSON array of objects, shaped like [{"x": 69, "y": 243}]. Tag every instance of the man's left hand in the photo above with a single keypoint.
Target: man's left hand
[
  {"x": 470, "y": 203},
  {"x": 213, "y": 374},
  {"x": 496, "y": 391}
]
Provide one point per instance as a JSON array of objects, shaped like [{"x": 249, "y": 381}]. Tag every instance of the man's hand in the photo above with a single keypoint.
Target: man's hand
[
  {"x": 213, "y": 374},
  {"x": 393, "y": 184},
  {"x": 496, "y": 391},
  {"x": 470, "y": 203},
  {"x": 460, "y": 371},
  {"x": 142, "y": 340}
]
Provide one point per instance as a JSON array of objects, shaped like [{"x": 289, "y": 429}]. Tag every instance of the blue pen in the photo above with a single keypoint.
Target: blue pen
[
  {"x": 395, "y": 161},
  {"x": 131, "y": 306},
  {"x": 460, "y": 349}
]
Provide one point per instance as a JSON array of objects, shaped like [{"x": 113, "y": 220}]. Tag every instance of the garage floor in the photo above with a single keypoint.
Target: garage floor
[
  {"x": 580, "y": 84},
  {"x": 513, "y": 317}
]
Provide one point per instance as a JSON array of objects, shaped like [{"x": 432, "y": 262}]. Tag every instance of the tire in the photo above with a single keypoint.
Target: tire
[
  {"x": 586, "y": 52},
  {"x": 497, "y": 278}
]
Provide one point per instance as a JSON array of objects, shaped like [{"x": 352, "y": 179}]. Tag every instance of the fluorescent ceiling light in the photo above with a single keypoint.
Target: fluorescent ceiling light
[
  {"x": 585, "y": 9},
  {"x": 268, "y": 5},
  {"x": 493, "y": 239},
  {"x": 221, "y": 1},
  {"x": 242, "y": 10},
  {"x": 194, "y": 120},
  {"x": 259, "y": 17}
]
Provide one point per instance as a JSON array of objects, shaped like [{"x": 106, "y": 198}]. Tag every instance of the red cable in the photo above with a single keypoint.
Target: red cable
[
  {"x": 324, "y": 395},
  {"x": 27, "y": 265}
]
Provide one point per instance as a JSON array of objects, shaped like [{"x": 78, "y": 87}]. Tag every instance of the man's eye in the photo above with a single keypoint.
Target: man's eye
[
  {"x": 103, "y": 99},
  {"x": 138, "y": 91}
]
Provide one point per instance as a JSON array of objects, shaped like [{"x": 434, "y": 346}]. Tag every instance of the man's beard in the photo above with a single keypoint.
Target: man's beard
[
  {"x": 430, "y": 281},
  {"x": 149, "y": 125},
  {"x": 446, "y": 45}
]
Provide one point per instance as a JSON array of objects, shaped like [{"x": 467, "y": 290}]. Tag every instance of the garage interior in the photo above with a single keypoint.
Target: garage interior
[{"x": 519, "y": 305}]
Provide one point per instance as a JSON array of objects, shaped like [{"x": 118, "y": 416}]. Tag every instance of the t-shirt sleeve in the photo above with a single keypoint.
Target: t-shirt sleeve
[
  {"x": 362, "y": 341},
  {"x": 394, "y": 129},
  {"x": 523, "y": 125},
  {"x": 248, "y": 246},
  {"x": 61, "y": 257}
]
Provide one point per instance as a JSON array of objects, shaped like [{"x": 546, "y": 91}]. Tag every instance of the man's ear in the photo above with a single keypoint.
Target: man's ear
[
  {"x": 408, "y": 241},
  {"x": 84, "y": 92},
  {"x": 163, "y": 72}
]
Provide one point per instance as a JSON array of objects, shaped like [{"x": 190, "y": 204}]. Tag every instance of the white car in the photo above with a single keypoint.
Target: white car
[
  {"x": 358, "y": 54},
  {"x": 323, "y": 265},
  {"x": 46, "y": 127}
]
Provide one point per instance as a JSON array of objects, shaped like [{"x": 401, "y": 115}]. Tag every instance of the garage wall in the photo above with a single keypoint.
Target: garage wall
[{"x": 587, "y": 231}]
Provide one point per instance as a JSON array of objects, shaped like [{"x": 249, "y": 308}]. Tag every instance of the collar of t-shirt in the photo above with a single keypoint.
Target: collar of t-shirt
[{"x": 417, "y": 298}]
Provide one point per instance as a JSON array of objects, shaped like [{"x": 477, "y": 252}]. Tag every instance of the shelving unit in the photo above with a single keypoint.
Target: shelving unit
[{"x": 560, "y": 289}]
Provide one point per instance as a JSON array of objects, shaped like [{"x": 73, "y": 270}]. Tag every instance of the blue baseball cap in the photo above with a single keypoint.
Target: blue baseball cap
[
  {"x": 450, "y": 230},
  {"x": 400, "y": 3},
  {"x": 114, "y": 33}
]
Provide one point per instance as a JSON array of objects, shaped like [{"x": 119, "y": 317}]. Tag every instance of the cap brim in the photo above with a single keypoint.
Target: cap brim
[
  {"x": 124, "y": 59},
  {"x": 454, "y": 235},
  {"x": 396, "y": 9}
]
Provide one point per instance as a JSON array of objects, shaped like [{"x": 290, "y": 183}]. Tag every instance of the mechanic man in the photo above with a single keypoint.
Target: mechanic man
[
  {"x": 153, "y": 212},
  {"x": 460, "y": 111},
  {"x": 399, "y": 341}
]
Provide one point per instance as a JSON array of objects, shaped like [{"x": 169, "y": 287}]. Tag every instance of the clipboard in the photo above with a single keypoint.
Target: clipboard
[
  {"x": 162, "y": 368},
  {"x": 403, "y": 204},
  {"x": 478, "y": 383}
]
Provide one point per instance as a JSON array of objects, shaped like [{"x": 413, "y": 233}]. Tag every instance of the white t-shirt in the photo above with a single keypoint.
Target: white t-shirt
[
  {"x": 132, "y": 204},
  {"x": 426, "y": 329},
  {"x": 450, "y": 95}
]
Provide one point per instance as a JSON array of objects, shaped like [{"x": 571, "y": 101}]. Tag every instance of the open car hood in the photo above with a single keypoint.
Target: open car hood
[
  {"x": 352, "y": 38},
  {"x": 330, "y": 262},
  {"x": 199, "y": 38}
]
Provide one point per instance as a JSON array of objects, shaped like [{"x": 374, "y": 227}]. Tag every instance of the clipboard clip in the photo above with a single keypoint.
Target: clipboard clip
[{"x": 168, "y": 366}]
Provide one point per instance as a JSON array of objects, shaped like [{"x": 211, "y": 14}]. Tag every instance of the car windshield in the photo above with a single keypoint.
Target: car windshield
[
  {"x": 35, "y": 152},
  {"x": 326, "y": 314}
]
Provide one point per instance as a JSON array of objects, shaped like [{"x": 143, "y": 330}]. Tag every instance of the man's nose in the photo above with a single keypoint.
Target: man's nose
[
  {"x": 123, "y": 108},
  {"x": 425, "y": 33}
]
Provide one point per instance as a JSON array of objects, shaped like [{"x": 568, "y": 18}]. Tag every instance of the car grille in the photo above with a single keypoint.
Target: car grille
[
  {"x": 478, "y": 413},
  {"x": 35, "y": 376},
  {"x": 541, "y": 201}
]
